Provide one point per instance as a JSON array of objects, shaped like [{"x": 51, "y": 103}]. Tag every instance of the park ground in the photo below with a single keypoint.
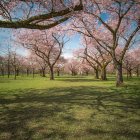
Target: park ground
[{"x": 69, "y": 108}]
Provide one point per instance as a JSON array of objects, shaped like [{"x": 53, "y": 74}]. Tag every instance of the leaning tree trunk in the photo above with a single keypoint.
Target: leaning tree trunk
[
  {"x": 96, "y": 74},
  {"x": 119, "y": 75},
  {"x": 103, "y": 73},
  {"x": 51, "y": 73}
]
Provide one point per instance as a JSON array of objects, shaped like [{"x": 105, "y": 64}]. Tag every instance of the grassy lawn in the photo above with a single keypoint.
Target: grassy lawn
[{"x": 69, "y": 108}]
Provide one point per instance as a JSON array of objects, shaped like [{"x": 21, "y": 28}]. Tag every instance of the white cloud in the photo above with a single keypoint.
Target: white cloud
[
  {"x": 67, "y": 55},
  {"x": 20, "y": 50}
]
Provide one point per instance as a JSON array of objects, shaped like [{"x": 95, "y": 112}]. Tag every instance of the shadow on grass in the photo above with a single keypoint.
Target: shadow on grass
[
  {"x": 78, "y": 80},
  {"x": 25, "y": 106},
  {"x": 4, "y": 81},
  {"x": 70, "y": 76}
]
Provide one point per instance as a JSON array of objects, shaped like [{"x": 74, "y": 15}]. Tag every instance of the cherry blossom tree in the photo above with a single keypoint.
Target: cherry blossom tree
[
  {"x": 120, "y": 27},
  {"x": 95, "y": 56},
  {"x": 110, "y": 68},
  {"x": 5, "y": 53},
  {"x": 42, "y": 66},
  {"x": 60, "y": 64},
  {"x": 129, "y": 63},
  {"x": 16, "y": 62},
  {"x": 137, "y": 60},
  {"x": 32, "y": 64},
  {"x": 8, "y": 62},
  {"x": 85, "y": 68},
  {"x": 2, "y": 65},
  {"x": 47, "y": 45},
  {"x": 80, "y": 54},
  {"x": 27, "y": 66},
  {"x": 72, "y": 66},
  {"x": 98, "y": 55}
]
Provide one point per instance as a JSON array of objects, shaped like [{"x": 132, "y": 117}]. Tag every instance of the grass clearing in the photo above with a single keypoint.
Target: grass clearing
[{"x": 69, "y": 108}]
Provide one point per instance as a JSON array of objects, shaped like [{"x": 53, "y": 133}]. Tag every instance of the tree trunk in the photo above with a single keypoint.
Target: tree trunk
[
  {"x": 51, "y": 74},
  {"x": 137, "y": 71},
  {"x": 103, "y": 73},
  {"x": 27, "y": 72},
  {"x": 2, "y": 72},
  {"x": 127, "y": 74},
  {"x": 40, "y": 71},
  {"x": 72, "y": 73},
  {"x": 130, "y": 73},
  {"x": 58, "y": 73},
  {"x": 33, "y": 73},
  {"x": 96, "y": 74},
  {"x": 8, "y": 69},
  {"x": 43, "y": 73},
  {"x": 87, "y": 73},
  {"x": 15, "y": 73},
  {"x": 119, "y": 75}
]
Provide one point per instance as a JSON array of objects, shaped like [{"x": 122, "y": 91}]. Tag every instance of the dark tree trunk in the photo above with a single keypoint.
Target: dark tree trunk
[
  {"x": 119, "y": 75},
  {"x": 33, "y": 72},
  {"x": 96, "y": 74},
  {"x": 87, "y": 73},
  {"x": 27, "y": 72},
  {"x": 43, "y": 73},
  {"x": 72, "y": 73},
  {"x": 103, "y": 74},
  {"x": 127, "y": 74},
  {"x": 137, "y": 71},
  {"x": 2, "y": 72},
  {"x": 130, "y": 73},
  {"x": 15, "y": 73},
  {"x": 40, "y": 72},
  {"x": 58, "y": 72},
  {"x": 51, "y": 73},
  {"x": 75, "y": 73},
  {"x": 8, "y": 69}
]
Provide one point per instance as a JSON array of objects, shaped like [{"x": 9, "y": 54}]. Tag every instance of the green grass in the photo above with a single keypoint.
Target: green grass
[{"x": 69, "y": 108}]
